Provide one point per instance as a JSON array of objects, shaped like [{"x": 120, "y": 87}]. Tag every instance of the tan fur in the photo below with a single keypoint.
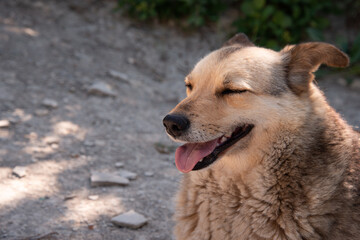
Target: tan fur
[{"x": 295, "y": 176}]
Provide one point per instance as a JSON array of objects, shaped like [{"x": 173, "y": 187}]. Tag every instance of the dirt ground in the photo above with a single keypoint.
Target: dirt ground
[{"x": 56, "y": 50}]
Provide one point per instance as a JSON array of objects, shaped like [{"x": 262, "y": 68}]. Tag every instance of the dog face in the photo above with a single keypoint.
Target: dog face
[{"x": 238, "y": 97}]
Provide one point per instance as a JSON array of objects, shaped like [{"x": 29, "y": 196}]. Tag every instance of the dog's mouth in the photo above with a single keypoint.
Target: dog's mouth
[{"x": 196, "y": 156}]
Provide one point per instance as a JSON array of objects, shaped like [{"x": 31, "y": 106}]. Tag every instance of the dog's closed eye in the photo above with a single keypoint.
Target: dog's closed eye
[
  {"x": 229, "y": 91},
  {"x": 188, "y": 86}
]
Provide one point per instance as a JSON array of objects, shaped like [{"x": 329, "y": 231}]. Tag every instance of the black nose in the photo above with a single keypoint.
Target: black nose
[{"x": 176, "y": 124}]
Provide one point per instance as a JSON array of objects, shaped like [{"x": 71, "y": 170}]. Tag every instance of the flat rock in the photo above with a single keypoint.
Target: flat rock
[
  {"x": 49, "y": 103},
  {"x": 51, "y": 139},
  {"x": 148, "y": 174},
  {"x": 101, "y": 89},
  {"x": 41, "y": 112},
  {"x": 93, "y": 197},
  {"x": 127, "y": 174},
  {"x": 119, "y": 164},
  {"x": 89, "y": 143},
  {"x": 119, "y": 75},
  {"x": 19, "y": 171},
  {"x": 124, "y": 78},
  {"x": 4, "y": 123},
  {"x": 107, "y": 179},
  {"x": 130, "y": 219}
]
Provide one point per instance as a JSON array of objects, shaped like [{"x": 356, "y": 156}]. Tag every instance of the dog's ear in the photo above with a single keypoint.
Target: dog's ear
[
  {"x": 239, "y": 39},
  {"x": 303, "y": 59}
]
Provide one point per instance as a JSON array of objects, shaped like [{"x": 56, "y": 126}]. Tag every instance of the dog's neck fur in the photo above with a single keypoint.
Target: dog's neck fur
[{"x": 272, "y": 199}]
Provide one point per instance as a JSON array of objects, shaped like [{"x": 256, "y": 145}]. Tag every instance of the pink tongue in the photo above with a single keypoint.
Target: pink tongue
[{"x": 188, "y": 155}]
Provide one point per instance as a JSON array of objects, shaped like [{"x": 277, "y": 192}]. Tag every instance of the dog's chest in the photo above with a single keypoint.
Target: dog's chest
[{"x": 214, "y": 210}]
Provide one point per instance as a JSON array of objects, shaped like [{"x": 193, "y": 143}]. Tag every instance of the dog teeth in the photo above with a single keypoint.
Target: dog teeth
[{"x": 222, "y": 140}]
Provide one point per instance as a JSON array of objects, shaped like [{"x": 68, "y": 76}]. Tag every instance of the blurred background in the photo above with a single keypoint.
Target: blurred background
[
  {"x": 84, "y": 86},
  {"x": 268, "y": 23}
]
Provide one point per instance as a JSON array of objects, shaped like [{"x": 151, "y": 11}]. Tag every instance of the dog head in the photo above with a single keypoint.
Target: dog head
[{"x": 239, "y": 96}]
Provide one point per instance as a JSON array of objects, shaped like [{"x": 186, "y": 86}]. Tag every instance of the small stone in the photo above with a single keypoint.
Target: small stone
[
  {"x": 93, "y": 197},
  {"x": 69, "y": 197},
  {"x": 4, "y": 123},
  {"x": 89, "y": 144},
  {"x": 149, "y": 174},
  {"x": 51, "y": 140},
  {"x": 127, "y": 174},
  {"x": 41, "y": 112},
  {"x": 101, "y": 89},
  {"x": 50, "y": 103},
  {"x": 119, "y": 75},
  {"x": 54, "y": 145},
  {"x": 107, "y": 179},
  {"x": 100, "y": 143},
  {"x": 163, "y": 148},
  {"x": 130, "y": 219},
  {"x": 14, "y": 119},
  {"x": 124, "y": 78},
  {"x": 74, "y": 155},
  {"x": 131, "y": 60},
  {"x": 19, "y": 171},
  {"x": 119, "y": 164}
]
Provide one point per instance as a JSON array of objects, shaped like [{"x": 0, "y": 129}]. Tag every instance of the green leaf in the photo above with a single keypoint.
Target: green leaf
[
  {"x": 259, "y": 4},
  {"x": 268, "y": 11},
  {"x": 355, "y": 50},
  {"x": 247, "y": 8}
]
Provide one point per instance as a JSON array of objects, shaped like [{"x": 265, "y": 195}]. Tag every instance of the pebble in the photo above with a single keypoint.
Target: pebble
[
  {"x": 163, "y": 148},
  {"x": 149, "y": 174},
  {"x": 19, "y": 171},
  {"x": 100, "y": 143},
  {"x": 124, "y": 78},
  {"x": 93, "y": 197},
  {"x": 69, "y": 197},
  {"x": 119, "y": 164},
  {"x": 50, "y": 103},
  {"x": 127, "y": 174},
  {"x": 54, "y": 145},
  {"x": 4, "y": 123},
  {"x": 107, "y": 179},
  {"x": 119, "y": 75},
  {"x": 101, "y": 89},
  {"x": 41, "y": 112},
  {"x": 130, "y": 219},
  {"x": 131, "y": 60},
  {"x": 14, "y": 119},
  {"x": 51, "y": 140},
  {"x": 89, "y": 144}
]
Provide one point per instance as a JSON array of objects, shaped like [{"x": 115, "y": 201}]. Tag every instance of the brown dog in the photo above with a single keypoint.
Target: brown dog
[{"x": 265, "y": 156}]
